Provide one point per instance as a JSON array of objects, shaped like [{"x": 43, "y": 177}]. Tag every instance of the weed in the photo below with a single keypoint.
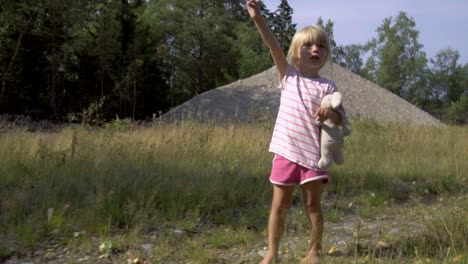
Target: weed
[{"x": 333, "y": 215}]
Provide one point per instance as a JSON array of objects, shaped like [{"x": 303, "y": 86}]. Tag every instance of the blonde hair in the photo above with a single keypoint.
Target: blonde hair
[{"x": 310, "y": 34}]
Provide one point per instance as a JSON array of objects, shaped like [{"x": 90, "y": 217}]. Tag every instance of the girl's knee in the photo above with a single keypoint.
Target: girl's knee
[
  {"x": 313, "y": 206},
  {"x": 280, "y": 208}
]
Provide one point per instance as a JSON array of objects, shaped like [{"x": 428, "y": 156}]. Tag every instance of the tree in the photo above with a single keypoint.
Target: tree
[
  {"x": 350, "y": 57},
  {"x": 198, "y": 36},
  {"x": 337, "y": 52},
  {"x": 117, "y": 59},
  {"x": 398, "y": 63},
  {"x": 56, "y": 38},
  {"x": 17, "y": 20},
  {"x": 36, "y": 68},
  {"x": 253, "y": 55},
  {"x": 61, "y": 57},
  {"x": 457, "y": 112},
  {"x": 281, "y": 24},
  {"x": 448, "y": 79},
  {"x": 347, "y": 56}
]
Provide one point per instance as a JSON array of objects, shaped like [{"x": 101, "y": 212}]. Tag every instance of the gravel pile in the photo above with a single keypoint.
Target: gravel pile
[{"x": 256, "y": 99}]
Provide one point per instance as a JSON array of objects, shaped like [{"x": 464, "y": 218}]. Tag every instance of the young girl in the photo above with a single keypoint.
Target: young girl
[{"x": 296, "y": 137}]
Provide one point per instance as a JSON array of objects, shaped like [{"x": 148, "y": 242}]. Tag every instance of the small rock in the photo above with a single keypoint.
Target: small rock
[
  {"x": 179, "y": 232},
  {"x": 338, "y": 228},
  {"x": 85, "y": 258},
  {"x": 342, "y": 243},
  {"x": 147, "y": 247}
]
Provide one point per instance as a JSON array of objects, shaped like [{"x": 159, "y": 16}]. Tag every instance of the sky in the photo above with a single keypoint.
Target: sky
[{"x": 441, "y": 24}]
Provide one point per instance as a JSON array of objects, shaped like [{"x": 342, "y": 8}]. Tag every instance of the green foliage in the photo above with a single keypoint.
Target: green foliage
[
  {"x": 457, "y": 113},
  {"x": 119, "y": 125},
  {"x": 328, "y": 28},
  {"x": 28, "y": 234},
  {"x": 254, "y": 56},
  {"x": 17, "y": 19},
  {"x": 281, "y": 24},
  {"x": 348, "y": 56},
  {"x": 199, "y": 36},
  {"x": 5, "y": 253},
  {"x": 59, "y": 57},
  {"x": 448, "y": 79},
  {"x": 74, "y": 52},
  {"x": 398, "y": 64},
  {"x": 92, "y": 115}
]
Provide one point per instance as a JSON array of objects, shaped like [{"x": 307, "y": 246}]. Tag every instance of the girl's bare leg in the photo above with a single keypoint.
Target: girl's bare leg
[
  {"x": 311, "y": 193},
  {"x": 282, "y": 197}
]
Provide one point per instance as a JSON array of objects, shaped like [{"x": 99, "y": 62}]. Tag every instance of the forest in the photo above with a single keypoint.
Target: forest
[{"x": 92, "y": 61}]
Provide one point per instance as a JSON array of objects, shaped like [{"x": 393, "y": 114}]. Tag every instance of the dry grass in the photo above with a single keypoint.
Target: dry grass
[{"x": 190, "y": 175}]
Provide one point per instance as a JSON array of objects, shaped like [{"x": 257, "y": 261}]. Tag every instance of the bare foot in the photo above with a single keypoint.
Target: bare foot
[
  {"x": 268, "y": 259},
  {"x": 311, "y": 258}
]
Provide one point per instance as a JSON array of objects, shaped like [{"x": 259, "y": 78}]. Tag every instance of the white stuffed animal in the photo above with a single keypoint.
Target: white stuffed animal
[{"x": 332, "y": 138}]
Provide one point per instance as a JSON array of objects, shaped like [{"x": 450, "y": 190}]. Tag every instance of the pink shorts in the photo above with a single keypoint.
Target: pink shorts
[{"x": 286, "y": 172}]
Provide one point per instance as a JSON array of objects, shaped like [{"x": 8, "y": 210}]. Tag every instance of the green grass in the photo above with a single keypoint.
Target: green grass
[
  {"x": 191, "y": 175},
  {"x": 381, "y": 157},
  {"x": 445, "y": 234},
  {"x": 5, "y": 253}
]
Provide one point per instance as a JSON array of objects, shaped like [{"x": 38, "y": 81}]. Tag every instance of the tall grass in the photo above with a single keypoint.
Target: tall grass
[
  {"x": 166, "y": 173},
  {"x": 445, "y": 235},
  {"x": 190, "y": 174},
  {"x": 395, "y": 159}
]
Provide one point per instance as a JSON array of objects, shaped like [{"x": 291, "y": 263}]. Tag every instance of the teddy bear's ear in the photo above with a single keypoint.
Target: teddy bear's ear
[{"x": 336, "y": 99}]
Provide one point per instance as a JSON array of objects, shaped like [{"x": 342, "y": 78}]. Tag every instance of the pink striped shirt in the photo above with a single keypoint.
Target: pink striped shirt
[{"x": 296, "y": 136}]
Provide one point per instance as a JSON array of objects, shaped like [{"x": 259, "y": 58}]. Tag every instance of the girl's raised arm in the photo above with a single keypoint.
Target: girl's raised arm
[{"x": 268, "y": 37}]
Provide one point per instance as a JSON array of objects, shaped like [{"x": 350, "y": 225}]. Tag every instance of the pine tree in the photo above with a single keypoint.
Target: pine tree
[{"x": 282, "y": 26}]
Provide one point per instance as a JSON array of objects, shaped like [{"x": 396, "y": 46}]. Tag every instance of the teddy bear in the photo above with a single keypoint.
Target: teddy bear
[{"x": 332, "y": 136}]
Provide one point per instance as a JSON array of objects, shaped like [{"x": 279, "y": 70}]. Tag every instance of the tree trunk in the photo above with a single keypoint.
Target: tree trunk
[
  {"x": 200, "y": 76},
  {"x": 52, "y": 88},
  {"x": 134, "y": 100},
  {"x": 13, "y": 57},
  {"x": 51, "y": 96}
]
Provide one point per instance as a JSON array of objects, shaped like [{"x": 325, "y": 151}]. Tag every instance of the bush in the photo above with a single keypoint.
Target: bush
[{"x": 457, "y": 113}]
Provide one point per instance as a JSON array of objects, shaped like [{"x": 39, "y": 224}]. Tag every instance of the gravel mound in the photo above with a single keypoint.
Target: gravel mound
[{"x": 256, "y": 99}]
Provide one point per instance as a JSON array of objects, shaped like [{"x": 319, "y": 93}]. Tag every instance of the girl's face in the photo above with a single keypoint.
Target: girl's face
[{"x": 312, "y": 56}]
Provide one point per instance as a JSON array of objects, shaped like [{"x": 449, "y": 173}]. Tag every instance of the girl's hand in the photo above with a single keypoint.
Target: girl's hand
[
  {"x": 327, "y": 113},
  {"x": 253, "y": 8}
]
